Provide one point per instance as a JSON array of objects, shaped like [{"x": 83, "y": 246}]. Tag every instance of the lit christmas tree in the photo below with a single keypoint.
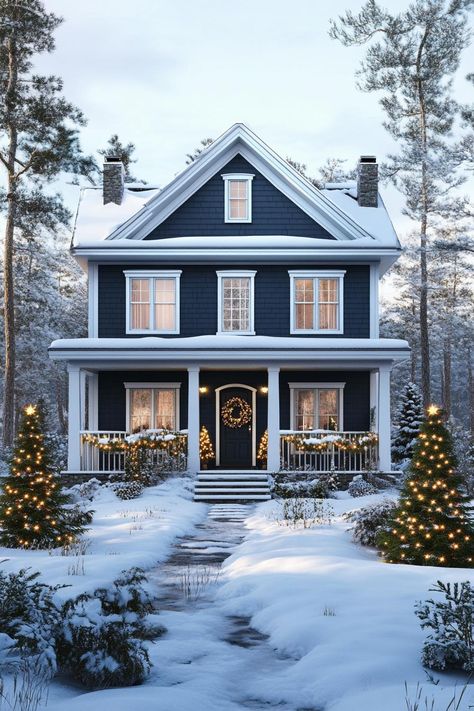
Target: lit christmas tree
[
  {"x": 262, "y": 453},
  {"x": 206, "y": 451},
  {"x": 32, "y": 507},
  {"x": 432, "y": 524}
]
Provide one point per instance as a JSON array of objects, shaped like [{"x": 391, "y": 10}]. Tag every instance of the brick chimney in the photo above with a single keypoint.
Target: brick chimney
[
  {"x": 367, "y": 181},
  {"x": 113, "y": 180}
]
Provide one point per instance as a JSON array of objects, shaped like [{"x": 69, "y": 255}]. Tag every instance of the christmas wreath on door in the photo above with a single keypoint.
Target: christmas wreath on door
[{"x": 236, "y": 412}]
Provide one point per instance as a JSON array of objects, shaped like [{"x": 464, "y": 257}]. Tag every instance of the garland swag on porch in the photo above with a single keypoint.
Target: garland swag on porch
[{"x": 327, "y": 440}]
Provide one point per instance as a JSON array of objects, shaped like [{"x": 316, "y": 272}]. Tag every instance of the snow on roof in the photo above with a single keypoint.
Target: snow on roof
[
  {"x": 230, "y": 342},
  {"x": 375, "y": 220},
  {"x": 96, "y": 221}
]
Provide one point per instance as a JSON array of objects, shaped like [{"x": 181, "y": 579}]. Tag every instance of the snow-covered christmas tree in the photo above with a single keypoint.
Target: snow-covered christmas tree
[{"x": 410, "y": 417}]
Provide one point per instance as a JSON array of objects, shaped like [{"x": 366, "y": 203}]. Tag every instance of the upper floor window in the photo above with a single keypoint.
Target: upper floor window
[
  {"x": 317, "y": 301},
  {"x": 238, "y": 197},
  {"x": 152, "y": 302},
  {"x": 152, "y": 406},
  {"x": 236, "y": 302}
]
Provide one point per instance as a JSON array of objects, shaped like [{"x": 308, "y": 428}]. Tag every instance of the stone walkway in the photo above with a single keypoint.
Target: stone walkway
[{"x": 209, "y": 654}]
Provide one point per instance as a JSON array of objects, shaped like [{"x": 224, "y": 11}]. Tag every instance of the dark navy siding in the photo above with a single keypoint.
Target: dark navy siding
[
  {"x": 272, "y": 212},
  {"x": 356, "y": 413},
  {"x": 112, "y": 401},
  {"x": 112, "y": 398},
  {"x": 199, "y": 299}
]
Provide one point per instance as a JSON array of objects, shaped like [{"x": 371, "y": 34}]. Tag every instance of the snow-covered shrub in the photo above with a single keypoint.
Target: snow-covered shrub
[
  {"x": 450, "y": 643},
  {"x": 321, "y": 487},
  {"x": 102, "y": 640},
  {"x": 370, "y": 520},
  {"x": 88, "y": 489},
  {"x": 58, "y": 450},
  {"x": 29, "y": 621},
  {"x": 127, "y": 489},
  {"x": 360, "y": 487}
]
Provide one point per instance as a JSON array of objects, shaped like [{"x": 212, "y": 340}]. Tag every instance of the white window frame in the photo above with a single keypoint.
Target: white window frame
[
  {"x": 152, "y": 386},
  {"x": 243, "y": 177},
  {"x": 246, "y": 274},
  {"x": 316, "y": 386},
  {"x": 316, "y": 276},
  {"x": 151, "y": 276}
]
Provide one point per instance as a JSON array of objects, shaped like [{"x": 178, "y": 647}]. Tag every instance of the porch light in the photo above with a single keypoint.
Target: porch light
[
  {"x": 264, "y": 389},
  {"x": 203, "y": 389}
]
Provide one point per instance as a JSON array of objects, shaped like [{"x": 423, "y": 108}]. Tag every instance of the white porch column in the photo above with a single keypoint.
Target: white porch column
[
  {"x": 385, "y": 459},
  {"x": 74, "y": 418},
  {"x": 193, "y": 419},
  {"x": 374, "y": 400},
  {"x": 273, "y": 455}
]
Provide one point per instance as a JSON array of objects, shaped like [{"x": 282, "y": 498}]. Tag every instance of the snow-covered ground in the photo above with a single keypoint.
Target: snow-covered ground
[
  {"x": 123, "y": 534},
  {"x": 345, "y": 617},
  {"x": 342, "y": 634}
]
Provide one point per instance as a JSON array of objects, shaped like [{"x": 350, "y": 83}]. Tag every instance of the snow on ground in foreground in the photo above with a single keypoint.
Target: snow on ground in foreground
[
  {"x": 123, "y": 534},
  {"x": 358, "y": 656}
]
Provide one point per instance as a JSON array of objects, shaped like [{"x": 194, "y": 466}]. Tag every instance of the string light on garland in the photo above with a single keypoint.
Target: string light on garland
[
  {"x": 236, "y": 412},
  {"x": 432, "y": 524},
  {"x": 325, "y": 442}
]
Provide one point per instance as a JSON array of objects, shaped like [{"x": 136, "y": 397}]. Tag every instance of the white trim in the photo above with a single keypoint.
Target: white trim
[
  {"x": 242, "y": 273},
  {"x": 244, "y": 178},
  {"x": 385, "y": 455},
  {"x": 273, "y": 419},
  {"x": 254, "y": 420},
  {"x": 151, "y": 275},
  {"x": 93, "y": 299},
  {"x": 74, "y": 418},
  {"x": 316, "y": 275},
  {"x": 194, "y": 420},
  {"x": 153, "y": 386},
  {"x": 317, "y": 386},
  {"x": 374, "y": 300},
  {"x": 239, "y": 139}
]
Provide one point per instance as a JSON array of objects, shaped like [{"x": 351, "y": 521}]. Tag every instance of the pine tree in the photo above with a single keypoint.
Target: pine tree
[
  {"x": 408, "y": 425},
  {"x": 411, "y": 60},
  {"x": 38, "y": 141},
  {"x": 432, "y": 524},
  {"x": 191, "y": 157},
  {"x": 206, "y": 450},
  {"x": 32, "y": 507},
  {"x": 125, "y": 151}
]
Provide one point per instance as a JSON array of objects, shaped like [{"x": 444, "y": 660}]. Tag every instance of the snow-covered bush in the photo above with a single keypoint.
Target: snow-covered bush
[
  {"x": 370, "y": 520},
  {"x": 450, "y": 643},
  {"x": 360, "y": 487},
  {"x": 321, "y": 487},
  {"x": 102, "y": 639},
  {"x": 29, "y": 621},
  {"x": 58, "y": 450},
  {"x": 127, "y": 489},
  {"x": 305, "y": 512},
  {"x": 88, "y": 489}
]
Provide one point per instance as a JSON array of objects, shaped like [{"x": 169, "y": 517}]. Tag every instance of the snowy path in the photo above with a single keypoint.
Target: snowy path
[{"x": 208, "y": 660}]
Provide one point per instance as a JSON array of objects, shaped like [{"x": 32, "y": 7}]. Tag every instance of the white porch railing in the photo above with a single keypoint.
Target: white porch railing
[
  {"x": 320, "y": 452},
  {"x": 97, "y": 459}
]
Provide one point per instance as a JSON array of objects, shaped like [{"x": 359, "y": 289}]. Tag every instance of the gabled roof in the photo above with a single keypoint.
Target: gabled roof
[{"x": 336, "y": 209}]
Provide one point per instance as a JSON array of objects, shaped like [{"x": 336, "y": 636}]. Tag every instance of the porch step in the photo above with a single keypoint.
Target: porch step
[{"x": 231, "y": 485}]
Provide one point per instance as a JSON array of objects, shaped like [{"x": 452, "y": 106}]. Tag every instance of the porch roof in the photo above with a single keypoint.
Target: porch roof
[{"x": 229, "y": 348}]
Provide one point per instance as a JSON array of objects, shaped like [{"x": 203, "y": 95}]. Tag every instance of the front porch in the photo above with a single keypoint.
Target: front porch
[{"x": 313, "y": 419}]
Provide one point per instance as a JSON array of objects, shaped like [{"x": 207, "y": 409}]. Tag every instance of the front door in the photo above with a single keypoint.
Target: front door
[{"x": 236, "y": 419}]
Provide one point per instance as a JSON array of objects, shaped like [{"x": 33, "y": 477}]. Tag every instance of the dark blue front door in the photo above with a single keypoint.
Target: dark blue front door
[{"x": 235, "y": 439}]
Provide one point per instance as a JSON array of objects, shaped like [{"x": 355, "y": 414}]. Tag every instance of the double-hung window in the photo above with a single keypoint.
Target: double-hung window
[
  {"x": 152, "y": 406},
  {"x": 317, "y": 301},
  {"x": 235, "y": 301},
  {"x": 317, "y": 406},
  {"x": 152, "y": 301},
  {"x": 237, "y": 197}
]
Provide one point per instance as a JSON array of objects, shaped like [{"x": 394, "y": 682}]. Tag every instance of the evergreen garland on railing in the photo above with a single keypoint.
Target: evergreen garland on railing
[{"x": 324, "y": 443}]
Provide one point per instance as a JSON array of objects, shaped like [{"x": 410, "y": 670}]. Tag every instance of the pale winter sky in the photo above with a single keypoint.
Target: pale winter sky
[{"x": 166, "y": 74}]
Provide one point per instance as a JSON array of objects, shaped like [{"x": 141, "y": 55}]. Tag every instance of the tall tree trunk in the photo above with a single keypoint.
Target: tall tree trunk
[
  {"x": 9, "y": 294},
  {"x": 424, "y": 207},
  {"x": 447, "y": 377},
  {"x": 470, "y": 385}
]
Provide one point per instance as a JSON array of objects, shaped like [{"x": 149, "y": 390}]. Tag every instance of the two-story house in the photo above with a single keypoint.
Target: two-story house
[{"x": 241, "y": 298}]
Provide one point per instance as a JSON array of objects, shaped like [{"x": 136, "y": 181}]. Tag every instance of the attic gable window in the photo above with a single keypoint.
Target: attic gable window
[
  {"x": 317, "y": 302},
  {"x": 237, "y": 197},
  {"x": 152, "y": 302}
]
